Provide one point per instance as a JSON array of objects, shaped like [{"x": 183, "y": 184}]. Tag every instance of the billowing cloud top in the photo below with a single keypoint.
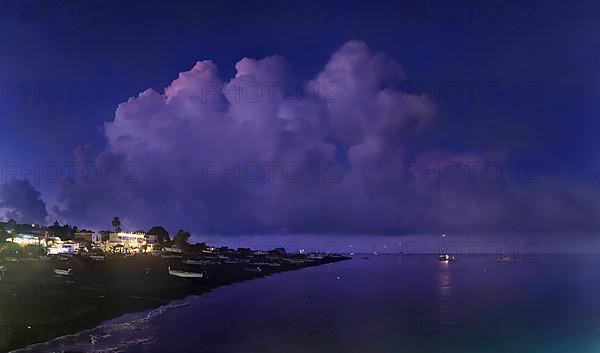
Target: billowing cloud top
[{"x": 344, "y": 152}]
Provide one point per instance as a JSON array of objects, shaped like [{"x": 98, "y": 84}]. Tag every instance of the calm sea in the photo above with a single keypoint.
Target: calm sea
[{"x": 387, "y": 303}]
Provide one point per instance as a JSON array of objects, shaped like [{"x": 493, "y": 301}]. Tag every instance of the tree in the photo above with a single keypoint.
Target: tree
[
  {"x": 116, "y": 223},
  {"x": 12, "y": 226},
  {"x": 3, "y": 235},
  {"x": 161, "y": 233},
  {"x": 197, "y": 248},
  {"x": 181, "y": 239}
]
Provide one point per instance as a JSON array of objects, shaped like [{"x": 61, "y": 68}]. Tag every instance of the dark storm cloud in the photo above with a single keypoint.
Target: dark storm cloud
[
  {"x": 224, "y": 157},
  {"x": 22, "y": 202}
]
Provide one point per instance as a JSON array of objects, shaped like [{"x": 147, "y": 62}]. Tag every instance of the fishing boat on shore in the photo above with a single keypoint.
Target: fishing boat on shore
[
  {"x": 195, "y": 262},
  {"x": 253, "y": 269},
  {"x": 259, "y": 264},
  {"x": 173, "y": 249},
  {"x": 63, "y": 272},
  {"x": 185, "y": 274}
]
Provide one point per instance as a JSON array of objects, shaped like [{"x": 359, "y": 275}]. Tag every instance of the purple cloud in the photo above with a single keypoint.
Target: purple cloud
[{"x": 224, "y": 157}]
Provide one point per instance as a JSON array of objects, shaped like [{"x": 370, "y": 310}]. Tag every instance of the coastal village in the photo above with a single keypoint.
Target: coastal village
[
  {"x": 58, "y": 279},
  {"x": 33, "y": 242}
]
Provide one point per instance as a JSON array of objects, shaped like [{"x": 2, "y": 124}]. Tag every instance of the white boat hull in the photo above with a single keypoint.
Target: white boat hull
[
  {"x": 68, "y": 272},
  {"x": 185, "y": 274}
]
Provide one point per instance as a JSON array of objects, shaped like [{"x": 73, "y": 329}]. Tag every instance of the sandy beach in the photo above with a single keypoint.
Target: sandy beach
[{"x": 37, "y": 305}]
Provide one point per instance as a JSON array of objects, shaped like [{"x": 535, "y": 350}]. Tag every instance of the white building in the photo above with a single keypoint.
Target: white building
[
  {"x": 57, "y": 246},
  {"x": 97, "y": 238},
  {"x": 25, "y": 239},
  {"x": 125, "y": 242}
]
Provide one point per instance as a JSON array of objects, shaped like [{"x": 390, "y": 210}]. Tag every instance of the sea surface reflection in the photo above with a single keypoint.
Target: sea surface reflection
[{"x": 388, "y": 303}]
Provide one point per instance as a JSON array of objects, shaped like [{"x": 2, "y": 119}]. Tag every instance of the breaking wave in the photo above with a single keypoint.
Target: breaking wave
[{"x": 130, "y": 331}]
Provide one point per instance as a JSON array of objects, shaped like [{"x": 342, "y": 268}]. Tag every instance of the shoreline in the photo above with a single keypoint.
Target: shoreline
[
  {"x": 37, "y": 306},
  {"x": 143, "y": 314}
]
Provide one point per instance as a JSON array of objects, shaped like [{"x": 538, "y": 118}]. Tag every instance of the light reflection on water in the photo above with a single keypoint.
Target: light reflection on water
[{"x": 384, "y": 304}]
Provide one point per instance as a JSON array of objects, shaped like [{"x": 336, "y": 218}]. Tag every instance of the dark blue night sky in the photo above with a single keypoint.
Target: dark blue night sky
[{"x": 541, "y": 55}]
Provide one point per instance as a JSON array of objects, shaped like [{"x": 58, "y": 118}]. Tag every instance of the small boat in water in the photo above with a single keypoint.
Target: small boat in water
[
  {"x": 253, "y": 269},
  {"x": 185, "y": 274},
  {"x": 97, "y": 257},
  {"x": 61, "y": 272},
  {"x": 444, "y": 258},
  {"x": 505, "y": 258},
  {"x": 170, "y": 256}
]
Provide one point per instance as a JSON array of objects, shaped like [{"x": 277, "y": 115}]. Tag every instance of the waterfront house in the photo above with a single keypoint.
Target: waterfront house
[
  {"x": 58, "y": 246},
  {"x": 125, "y": 242},
  {"x": 85, "y": 235}
]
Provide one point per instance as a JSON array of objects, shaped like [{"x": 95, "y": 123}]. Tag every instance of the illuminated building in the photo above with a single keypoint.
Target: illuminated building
[{"x": 125, "y": 242}]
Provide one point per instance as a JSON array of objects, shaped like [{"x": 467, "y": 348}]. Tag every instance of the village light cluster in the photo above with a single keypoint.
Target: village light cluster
[{"x": 115, "y": 242}]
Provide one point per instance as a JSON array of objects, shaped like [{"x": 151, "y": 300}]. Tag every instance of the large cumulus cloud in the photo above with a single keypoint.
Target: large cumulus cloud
[{"x": 349, "y": 119}]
